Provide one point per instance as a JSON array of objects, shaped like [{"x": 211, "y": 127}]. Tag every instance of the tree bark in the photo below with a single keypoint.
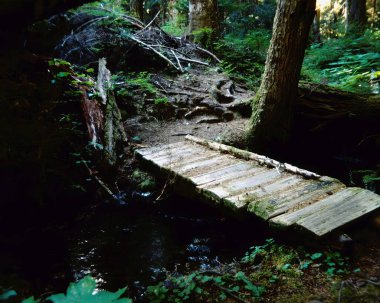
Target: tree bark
[
  {"x": 137, "y": 8},
  {"x": 270, "y": 123},
  {"x": 356, "y": 17},
  {"x": 203, "y": 14},
  {"x": 317, "y": 27}
]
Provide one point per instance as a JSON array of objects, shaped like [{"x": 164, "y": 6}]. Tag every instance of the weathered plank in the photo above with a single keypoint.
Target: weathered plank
[
  {"x": 282, "y": 194},
  {"x": 332, "y": 212}
]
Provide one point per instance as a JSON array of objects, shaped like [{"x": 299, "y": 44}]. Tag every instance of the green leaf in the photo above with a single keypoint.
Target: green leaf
[
  {"x": 63, "y": 74},
  {"x": 316, "y": 256},
  {"x": 30, "y": 300},
  {"x": 305, "y": 265},
  {"x": 205, "y": 279},
  {"x": 330, "y": 271},
  {"x": 84, "y": 291},
  {"x": 235, "y": 288},
  {"x": 8, "y": 294},
  {"x": 222, "y": 296}
]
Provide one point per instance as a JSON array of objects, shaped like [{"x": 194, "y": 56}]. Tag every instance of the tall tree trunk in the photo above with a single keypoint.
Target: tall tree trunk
[
  {"x": 172, "y": 12},
  {"x": 137, "y": 8},
  {"x": 203, "y": 14},
  {"x": 271, "y": 119},
  {"x": 317, "y": 27},
  {"x": 356, "y": 17}
]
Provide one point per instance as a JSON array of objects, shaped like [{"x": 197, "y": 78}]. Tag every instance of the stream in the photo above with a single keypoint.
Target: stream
[{"x": 130, "y": 244}]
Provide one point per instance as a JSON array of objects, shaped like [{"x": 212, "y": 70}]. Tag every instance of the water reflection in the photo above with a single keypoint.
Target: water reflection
[{"x": 135, "y": 245}]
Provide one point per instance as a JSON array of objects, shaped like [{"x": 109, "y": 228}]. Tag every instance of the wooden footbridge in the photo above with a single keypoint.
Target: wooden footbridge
[{"x": 277, "y": 192}]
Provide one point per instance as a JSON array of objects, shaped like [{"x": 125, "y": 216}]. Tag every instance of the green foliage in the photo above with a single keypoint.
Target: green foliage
[
  {"x": 84, "y": 291},
  {"x": 243, "y": 17},
  {"x": 204, "y": 36},
  {"x": 103, "y": 8},
  {"x": 332, "y": 262},
  {"x": 254, "y": 251},
  {"x": 177, "y": 29},
  {"x": 199, "y": 287},
  {"x": 244, "y": 57},
  {"x": 143, "y": 180},
  {"x": 132, "y": 83},
  {"x": 161, "y": 100},
  {"x": 347, "y": 62},
  {"x": 30, "y": 300},
  {"x": 7, "y": 294}
]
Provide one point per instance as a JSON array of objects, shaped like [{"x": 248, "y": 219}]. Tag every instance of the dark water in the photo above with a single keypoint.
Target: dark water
[{"x": 130, "y": 244}]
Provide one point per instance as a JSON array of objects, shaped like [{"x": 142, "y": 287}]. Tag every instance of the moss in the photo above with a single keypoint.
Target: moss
[{"x": 260, "y": 208}]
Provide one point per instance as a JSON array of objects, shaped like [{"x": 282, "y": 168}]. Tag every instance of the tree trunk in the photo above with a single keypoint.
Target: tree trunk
[
  {"x": 317, "y": 27},
  {"x": 137, "y": 8},
  {"x": 203, "y": 14},
  {"x": 271, "y": 120},
  {"x": 356, "y": 17},
  {"x": 172, "y": 12}
]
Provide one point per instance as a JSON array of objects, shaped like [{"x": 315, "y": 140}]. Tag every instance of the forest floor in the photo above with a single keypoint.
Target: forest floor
[
  {"x": 203, "y": 102},
  {"x": 196, "y": 105}
]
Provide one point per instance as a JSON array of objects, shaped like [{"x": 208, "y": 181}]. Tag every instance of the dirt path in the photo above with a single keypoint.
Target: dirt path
[{"x": 164, "y": 132}]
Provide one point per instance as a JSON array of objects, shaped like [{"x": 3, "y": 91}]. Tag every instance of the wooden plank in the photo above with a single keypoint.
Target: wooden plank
[
  {"x": 206, "y": 170},
  {"x": 206, "y": 161},
  {"x": 149, "y": 150},
  {"x": 332, "y": 212},
  {"x": 171, "y": 152},
  {"x": 213, "y": 175},
  {"x": 233, "y": 176},
  {"x": 266, "y": 191},
  {"x": 230, "y": 188},
  {"x": 183, "y": 159},
  {"x": 236, "y": 178},
  {"x": 311, "y": 193}
]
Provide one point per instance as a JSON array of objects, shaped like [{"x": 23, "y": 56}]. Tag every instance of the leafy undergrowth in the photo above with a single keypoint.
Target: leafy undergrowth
[
  {"x": 348, "y": 62},
  {"x": 267, "y": 273},
  {"x": 244, "y": 57},
  {"x": 83, "y": 291}
]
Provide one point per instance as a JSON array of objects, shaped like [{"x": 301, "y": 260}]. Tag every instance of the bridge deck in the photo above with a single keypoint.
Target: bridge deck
[{"x": 280, "y": 193}]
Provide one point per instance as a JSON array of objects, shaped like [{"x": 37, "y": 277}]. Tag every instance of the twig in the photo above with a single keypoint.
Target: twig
[
  {"x": 373, "y": 283},
  {"x": 162, "y": 191},
  {"x": 209, "y": 53},
  {"x": 100, "y": 181},
  {"x": 151, "y": 22},
  {"x": 193, "y": 61},
  {"x": 155, "y": 51},
  {"x": 340, "y": 291},
  {"x": 179, "y": 63}
]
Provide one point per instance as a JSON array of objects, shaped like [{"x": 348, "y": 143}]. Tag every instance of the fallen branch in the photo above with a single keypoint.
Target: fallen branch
[
  {"x": 252, "y": 156},
  {"x": 209, "y": 53},
  {"x": 155, "y": 51},
  {"x": 194, "y": 61},
  {"x": 179, "y": 63},
  {"x": 151, "y": 22},
  {"x": 100, "y": 181}
]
